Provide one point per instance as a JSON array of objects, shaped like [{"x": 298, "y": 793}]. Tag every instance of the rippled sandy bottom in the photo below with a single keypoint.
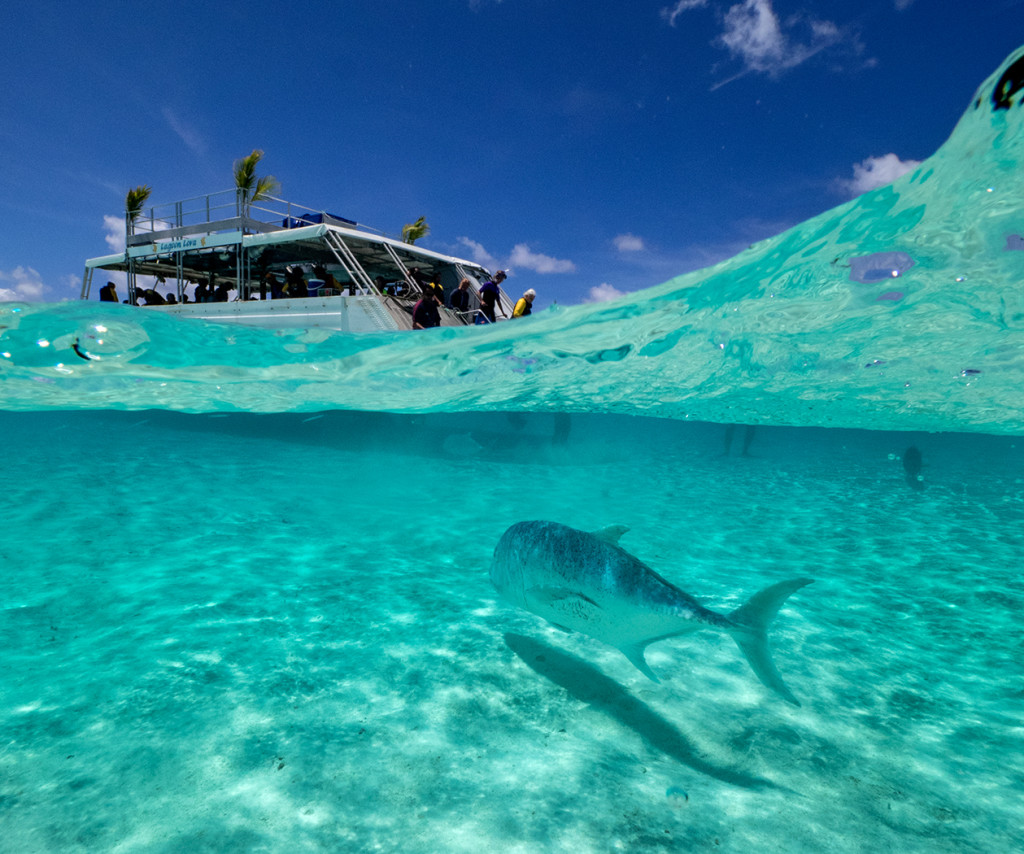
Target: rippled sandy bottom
[{"x": 260, "y": 633}]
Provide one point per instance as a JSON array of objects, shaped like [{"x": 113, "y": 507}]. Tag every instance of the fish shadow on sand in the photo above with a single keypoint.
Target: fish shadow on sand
[{"x": 589, "y": 685}]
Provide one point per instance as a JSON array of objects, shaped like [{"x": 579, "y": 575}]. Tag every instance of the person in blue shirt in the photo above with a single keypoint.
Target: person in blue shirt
[{"x": 489, "y": 296}]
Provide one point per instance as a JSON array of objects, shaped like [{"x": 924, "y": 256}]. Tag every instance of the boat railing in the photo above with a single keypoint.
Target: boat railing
[{"x": 228, "y": 210}]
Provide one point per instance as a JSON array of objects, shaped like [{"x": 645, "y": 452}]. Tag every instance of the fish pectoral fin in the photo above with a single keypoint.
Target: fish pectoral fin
[
  {"x": 565, "y": 601},
  {"x": 635, "y": 653},
  {"x": 611, "y": 534}
]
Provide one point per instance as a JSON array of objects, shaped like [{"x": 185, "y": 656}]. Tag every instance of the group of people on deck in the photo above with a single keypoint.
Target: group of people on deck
[
  {"x": 143, "y": 296},
  {"x": 425, "y": 314}
]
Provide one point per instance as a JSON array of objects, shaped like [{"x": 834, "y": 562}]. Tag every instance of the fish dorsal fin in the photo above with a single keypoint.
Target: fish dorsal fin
[
  {"x": 610, "y": 534},
  {"x": 635, "y": 653}
]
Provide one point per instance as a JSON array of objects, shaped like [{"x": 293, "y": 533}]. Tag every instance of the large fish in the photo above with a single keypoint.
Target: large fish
[{"x": 586, "y": 582}]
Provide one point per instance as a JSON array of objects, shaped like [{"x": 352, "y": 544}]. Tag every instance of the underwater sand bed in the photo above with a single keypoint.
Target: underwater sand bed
[{"x": 202, "y": 656}]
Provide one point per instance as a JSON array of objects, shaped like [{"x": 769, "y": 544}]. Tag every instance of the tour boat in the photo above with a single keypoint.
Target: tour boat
[{"x": 239, "y": 252}]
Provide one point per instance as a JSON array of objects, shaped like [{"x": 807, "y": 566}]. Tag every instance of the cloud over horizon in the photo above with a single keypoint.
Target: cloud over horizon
[
  {"x": 25, "y": 285},
  {"x": 603, "y": 293},
  {"x": 874, "y": 172}
]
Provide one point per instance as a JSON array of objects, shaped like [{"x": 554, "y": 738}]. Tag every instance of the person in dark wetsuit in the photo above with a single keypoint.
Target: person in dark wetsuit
[
  {"x": 459, "y": 298},
  {"x": 435, "y": 285},
  {"x": 108, "y": 293},
  {"x": 425, "y": 314},
  {"x": 295, "y": 283},
  {"x": 150, "y": 296}
]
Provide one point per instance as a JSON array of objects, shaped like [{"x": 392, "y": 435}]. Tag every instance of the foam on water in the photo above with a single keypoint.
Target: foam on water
[{"x": 245, "y": 631}]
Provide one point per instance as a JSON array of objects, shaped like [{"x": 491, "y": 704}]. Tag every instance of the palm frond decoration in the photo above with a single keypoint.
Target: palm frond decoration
[
  {"x": 135, "y": 199},
  {"x": 266, "y": 185},
  {"x": 253, "y": 187},
  {"x": 245, "y": 170},
  {"x": 414, "y": 231}
]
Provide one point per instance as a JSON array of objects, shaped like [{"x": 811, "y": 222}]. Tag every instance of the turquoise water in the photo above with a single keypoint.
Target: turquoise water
[{"x": 244, "y": 608}]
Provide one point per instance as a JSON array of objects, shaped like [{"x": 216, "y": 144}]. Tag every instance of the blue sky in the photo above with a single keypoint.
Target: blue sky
[{"x": 592, "y": 148}]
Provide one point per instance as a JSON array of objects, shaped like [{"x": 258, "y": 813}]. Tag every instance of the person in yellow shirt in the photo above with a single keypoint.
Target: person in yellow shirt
[{"x": 525, "y": 304}]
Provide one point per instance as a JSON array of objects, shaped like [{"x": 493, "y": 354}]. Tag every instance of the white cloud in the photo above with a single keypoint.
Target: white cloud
[
  {"x": 603, "y": 293},
  {"x": 670, "y": 14},
  {"x": 628, "y": 243},
  {"x": 875, "y": 172},
  {"x": 480, "y": 255},
  {"x": 114, "y": 228},
  {"x": 72, "y": 285},
  {"x": 22, "y": 283},
  {"x": 522, "y": 256},
  {"x": 754, "y": 34},
  {"x": 185, "y": 133}
]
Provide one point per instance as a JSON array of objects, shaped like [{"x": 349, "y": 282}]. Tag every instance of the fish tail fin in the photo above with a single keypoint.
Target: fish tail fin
[{"x": 749, "y": 629}]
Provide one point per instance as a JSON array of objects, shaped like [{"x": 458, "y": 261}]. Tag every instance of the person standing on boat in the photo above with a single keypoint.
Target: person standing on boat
[
  {"x": 435, "y": 285},
  {"x": 524, "y": 304},
  {"x": 459, "y": 299},
  {"x": 269, "y": 286},
  {"x": 490, "y": 293},
  {"x": 295, "y": 283},
  {"x": 425, "y": 314},
  {"x": 418, "y": 279},
  {"x": 108, "y": 293},
  {"x": 150, "y": 296}
]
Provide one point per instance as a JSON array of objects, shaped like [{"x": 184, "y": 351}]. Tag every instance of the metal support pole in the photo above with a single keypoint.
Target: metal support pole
[{"x": 409, "y": 280}]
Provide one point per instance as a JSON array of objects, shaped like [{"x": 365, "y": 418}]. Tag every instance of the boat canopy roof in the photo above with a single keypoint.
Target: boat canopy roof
[{"x": 221, "y": 233}]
